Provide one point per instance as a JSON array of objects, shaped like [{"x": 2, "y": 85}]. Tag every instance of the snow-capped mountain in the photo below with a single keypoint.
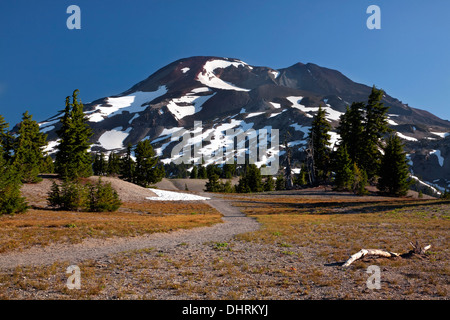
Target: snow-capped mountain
[{"x": 225, "y": 93}]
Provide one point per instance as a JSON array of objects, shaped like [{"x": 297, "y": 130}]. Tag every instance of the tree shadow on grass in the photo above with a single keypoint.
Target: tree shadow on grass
[{"x": 356, "y": 207}]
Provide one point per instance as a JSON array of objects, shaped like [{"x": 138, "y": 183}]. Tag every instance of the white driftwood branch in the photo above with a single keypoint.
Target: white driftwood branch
[
  {"x": 417, "y": 249},
  {"x": 369, "y": 252}
]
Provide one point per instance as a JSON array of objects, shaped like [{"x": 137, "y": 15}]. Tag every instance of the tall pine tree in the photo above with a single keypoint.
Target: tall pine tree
[
  {"x": 11, "y": 201},
  {"x": 147, "y": 170},
  {"x": 351, "y": 131},
  {"x": 394, "y": 169},
  {"x": 29, "y": 156},
  {"x": 72, "y": 158},
  {"x": 6, "y": 139},
  {"x": 343, "y": 168},
  {"x": 128, "y": 165},
  {"x": 320, "y": 142},
  {"x": 376, "y": 126}
]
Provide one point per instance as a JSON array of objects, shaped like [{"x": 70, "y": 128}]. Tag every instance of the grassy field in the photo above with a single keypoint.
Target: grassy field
[
  {"x": 297, "y": 254},
  {"x": 42, "y": 227}
]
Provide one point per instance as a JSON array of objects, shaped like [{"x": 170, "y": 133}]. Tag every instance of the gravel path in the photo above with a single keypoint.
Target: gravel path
[{"x": 235, "y": 223}]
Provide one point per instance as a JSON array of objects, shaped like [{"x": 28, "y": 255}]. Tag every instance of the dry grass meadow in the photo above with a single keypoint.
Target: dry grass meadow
[{"x": 297, "y": 253}]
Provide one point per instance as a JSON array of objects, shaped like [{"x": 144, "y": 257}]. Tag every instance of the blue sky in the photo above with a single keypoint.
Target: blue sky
[{"x": 123, "y": 42}]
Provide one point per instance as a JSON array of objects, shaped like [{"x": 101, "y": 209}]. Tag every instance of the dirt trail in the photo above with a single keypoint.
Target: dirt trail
[{"x": 235, "y": 223}]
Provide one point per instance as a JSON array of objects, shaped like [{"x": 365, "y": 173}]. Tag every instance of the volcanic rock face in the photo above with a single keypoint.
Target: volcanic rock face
[{"x": 226, "y": 93}]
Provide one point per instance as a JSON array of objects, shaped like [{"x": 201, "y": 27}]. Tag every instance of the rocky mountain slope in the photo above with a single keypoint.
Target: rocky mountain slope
[{"x": 225, "y": 93}]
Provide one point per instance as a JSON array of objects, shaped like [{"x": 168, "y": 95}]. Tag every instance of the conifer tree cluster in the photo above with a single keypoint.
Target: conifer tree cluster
[
  {"x": 144, "y": 171},
  {"x": 73, "y": 159},
  {"x": 320, "y": 142},
  {"x": 365, "y": 155},
  {"x": 21, "y": 160},
  {"x": 28, "y": 155}
]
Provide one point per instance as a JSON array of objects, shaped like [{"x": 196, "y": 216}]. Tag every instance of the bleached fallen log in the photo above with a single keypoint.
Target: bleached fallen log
[
  {"x": 369, "y": 252},
  {"x": 417, "y": 250}
]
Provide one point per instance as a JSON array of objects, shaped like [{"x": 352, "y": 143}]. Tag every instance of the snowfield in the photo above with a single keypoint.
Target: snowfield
[
  {"x": 402, "y": 136},
  {"x": 208, "y": 78},
  {"x": 441, "y": 134},
  {"x": 190, "y": 104},
  {"x": 437, "y": 153},
  {"x": 164, "y": 195},
  {"x": 113, "y": 139},
  {"x": 331, "y": 114},
  {"x": 132, "y": 103}
]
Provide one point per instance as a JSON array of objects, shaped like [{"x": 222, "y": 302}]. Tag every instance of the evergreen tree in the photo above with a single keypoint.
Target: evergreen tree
[
  {"x": 72, "y": 158},
  {"x": 128, "y": 165},
  {"x": 147, "y": 170},
  {"x": 351, "y": 131},
  {"x": 213, "y": 184},
  {"x": 280, "y": 183},
  {"x": 113, "y": 164},
  {"x": 251, "y": 180},
  {"x": 6, "y": 140},
  {"x": 394, "y": 169},
  {"x": 213, "y": 175},
  {"x": 269, "y": 185},
  {"x": 228, "y": 170},
  {"x": 47, "y": 165},
  {"x": 102, "y": 198},
  {"x": 344, "y": 169},
  {"x": 194, "y": 172},
  {"x": 302, "y": 179},
  {"x": 28, "y": 149},
  {"x": 376, "y": 126},
  {"x": 99, "y": 165},
  {"x": 320, "y": 142},
  {"x": 202, "y": 173},
  {"x": 11, "y": 201},
  {"x": 359, "y": 180}
]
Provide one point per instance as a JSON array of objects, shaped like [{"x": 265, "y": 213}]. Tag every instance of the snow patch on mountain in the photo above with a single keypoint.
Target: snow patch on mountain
[
  {"x": 254, "y": 114},
  {"x": 131, "y": 103},
  {"x": 113, "y": 139},
  {"x": 437, "y": 153},
  {"x": 275, "y": 105},
  {"x": 187, "y": 105},
  {"x": 208, "y": 77},
  {"x": 164, "y": 195},
  {"x": 199, "y": 90},
  {"x": 275, "y": 73},
  {"x": 331, "y": 114},
  {"x": 402, "y": 136},
  {"x": 432, "y": 186},
  {"x": 441, "y": 134},
  {"x": 51, "y": 147},
  {"x": 301, "y": 128},
  {"x": 392, "y": 122}
]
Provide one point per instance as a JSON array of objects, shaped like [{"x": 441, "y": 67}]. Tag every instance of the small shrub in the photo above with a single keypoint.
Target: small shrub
[
  {"x": 103, "y": 198},
  {"x": 445, "y": 195},
  {"x": 73, "y": 196},
  {"x": 11, "y": 201},
  {"x": 70, "y": 196}
]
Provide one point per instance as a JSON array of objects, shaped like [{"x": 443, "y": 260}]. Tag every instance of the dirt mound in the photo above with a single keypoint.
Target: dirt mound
[{"x": 36, "y": 194}]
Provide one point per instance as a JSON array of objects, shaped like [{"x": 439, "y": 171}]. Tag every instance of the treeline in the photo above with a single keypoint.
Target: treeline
[
  {"x": 23, "y": 158},
  {"x": 143, "y": 168},
  {"x": 368, "y": 153}
]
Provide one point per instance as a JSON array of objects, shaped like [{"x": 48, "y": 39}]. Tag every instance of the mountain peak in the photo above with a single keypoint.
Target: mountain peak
[{"x": 227, "y": 93}]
